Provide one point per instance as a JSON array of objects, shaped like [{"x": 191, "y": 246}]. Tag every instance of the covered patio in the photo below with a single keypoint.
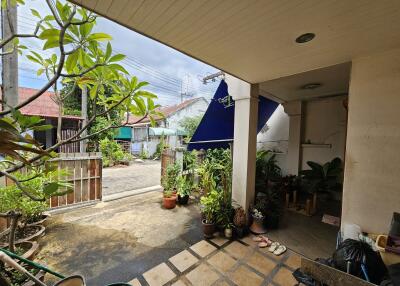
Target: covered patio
[{"x": 295, "y": 53}]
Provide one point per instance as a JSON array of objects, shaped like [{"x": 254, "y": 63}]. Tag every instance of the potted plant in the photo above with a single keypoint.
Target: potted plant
[
  {"x": 184, "y": 190},
  {"x": 325, "y": 180},
  {"x": 170, "y": 180},
  {"x": 239, "y": 221},
  {"x": 257, "y": 227},
  {"x": 228, "y": 230},
  {"x": 169, "y": 200},
  {"x": 209, "y": 206}
]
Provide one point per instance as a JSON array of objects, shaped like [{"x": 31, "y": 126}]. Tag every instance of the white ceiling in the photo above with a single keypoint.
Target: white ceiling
[
  {"x": 255, "y": 39},
  {"x": 334, "y": 80}
]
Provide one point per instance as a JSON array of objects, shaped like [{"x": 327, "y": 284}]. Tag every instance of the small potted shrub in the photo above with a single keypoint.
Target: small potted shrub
[
  {"x": 228, "y": 230},
  {"x": 169, "y": 200},
  {"x": 210, "y": 206},
  {"x": 257, "y": 227},
  {"x": 184, "y": 190},
  {"x": 239, "y": 221}
]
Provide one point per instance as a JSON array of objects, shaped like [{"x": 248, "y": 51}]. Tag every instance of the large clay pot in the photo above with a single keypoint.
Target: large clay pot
[
  {"x": 208, "y": 229},
  {"x": 169, "y": 202},
  {"x": 257, "y": 227}
]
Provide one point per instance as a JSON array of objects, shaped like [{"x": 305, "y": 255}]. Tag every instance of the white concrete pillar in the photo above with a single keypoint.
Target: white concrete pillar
[
  {"x": 245, "y": 142},
  {"x": 294, "y": 110}
]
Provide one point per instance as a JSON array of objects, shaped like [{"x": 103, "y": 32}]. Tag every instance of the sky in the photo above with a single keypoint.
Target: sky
[{"x": 168, "y": 71}]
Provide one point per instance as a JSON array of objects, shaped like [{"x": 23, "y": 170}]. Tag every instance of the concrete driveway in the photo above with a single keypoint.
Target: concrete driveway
[
  {"x": 118, "y": 240},
  {"x": 131, "y": 178}
]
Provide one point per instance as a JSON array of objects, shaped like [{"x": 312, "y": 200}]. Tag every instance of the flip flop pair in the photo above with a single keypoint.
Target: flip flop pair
[
  {"x": 262, "y": 240},
  {"x": 277, "y": 249}
]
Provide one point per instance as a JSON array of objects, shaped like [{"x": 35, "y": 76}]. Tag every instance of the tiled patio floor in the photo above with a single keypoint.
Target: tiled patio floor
[{"x": 220, "y": 262}]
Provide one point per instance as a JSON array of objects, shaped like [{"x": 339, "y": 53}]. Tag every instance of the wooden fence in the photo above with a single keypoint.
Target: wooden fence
[
  {"x": 71, "y": 147},
  {"x": 84, "y": 172}
]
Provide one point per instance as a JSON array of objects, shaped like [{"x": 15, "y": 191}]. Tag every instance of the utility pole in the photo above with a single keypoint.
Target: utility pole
[
  {"x": 83, "y": 143},
  {"x": 9, "y": 61}
]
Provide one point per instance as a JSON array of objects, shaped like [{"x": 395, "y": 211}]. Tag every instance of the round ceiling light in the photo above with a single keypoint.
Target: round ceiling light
[
  {"x": 305, "y": 38},
  {"x": 309, "y": 86}
]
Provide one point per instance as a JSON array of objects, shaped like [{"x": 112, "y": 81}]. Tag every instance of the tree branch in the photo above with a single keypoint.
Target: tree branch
[{"x": 22, "y": 187}]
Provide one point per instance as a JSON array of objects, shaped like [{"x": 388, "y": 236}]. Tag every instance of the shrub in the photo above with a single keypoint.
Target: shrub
[
  {"x": 112, "y": 152},
  {"x": 171, "y": 179}
]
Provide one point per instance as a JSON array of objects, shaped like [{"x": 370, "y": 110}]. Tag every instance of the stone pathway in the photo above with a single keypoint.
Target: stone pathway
[{"x": 220, "y": 262}]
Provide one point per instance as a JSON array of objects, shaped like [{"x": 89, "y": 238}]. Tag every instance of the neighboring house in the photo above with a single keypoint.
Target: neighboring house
[
  {"x": 45, "y": 107},
  {"x": 144, "y": 137}
]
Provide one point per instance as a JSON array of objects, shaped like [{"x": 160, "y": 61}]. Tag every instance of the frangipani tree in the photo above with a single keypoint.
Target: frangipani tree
[{"x": 76, "y": 59}]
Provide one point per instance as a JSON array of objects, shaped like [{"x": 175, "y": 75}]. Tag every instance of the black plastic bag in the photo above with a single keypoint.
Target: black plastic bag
[
  {"x": 356, "y": 253},
  {"x": 304, "y": 278}
]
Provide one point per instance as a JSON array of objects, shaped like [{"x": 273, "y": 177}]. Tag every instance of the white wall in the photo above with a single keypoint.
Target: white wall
[
  {"x": 323, "y": 121},
  {"x": 274, "y": 136},
  {"x": 372, "y": 172},
  {"x": 194, "y": 109}
]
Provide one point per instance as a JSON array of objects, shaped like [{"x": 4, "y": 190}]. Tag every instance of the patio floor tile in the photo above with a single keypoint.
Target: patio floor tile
[
  {"x": 202, "y": 275},
  {"x": 238, "y": 250},
  {"x": 261, "y": 263},
  {"x": 159, "y": 275},
  {"x": 203, "y": 248},
  {"x": 179, "y": 283},
  {"x": 135, "y": 282},
  {"x": 271, "y": 255},
  {"x": 249, "y": 240},
  {"x": 219, "y": 240},
  {"x": 245, "y": 277},
  {"x": 284, "y": 277},
  {"x": 183, "y": 260},
  {"x": 221, "y": 283},
  {"x": 294, "y": 261},
  {"x": 223, "y": 262}
]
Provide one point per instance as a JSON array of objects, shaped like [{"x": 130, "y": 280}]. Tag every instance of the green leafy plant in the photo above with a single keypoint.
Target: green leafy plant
[
  {"x": 111, "y": 151},
  {"x": 210, "y": 205},
  {"x": 325, "y": 178},
  {"x": 270, "y": 204},
  {"x": 267, "y": 169},
  {"x": 190, "y": 124},
  {"x": 185, "y": 186},
  {"x": 172, "y": 174}
]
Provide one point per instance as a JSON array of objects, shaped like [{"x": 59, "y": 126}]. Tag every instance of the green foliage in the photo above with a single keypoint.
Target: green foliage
[
  {"x": 160, "y": 147},
  {"x": 269, "y": 203},
  {"x": 190, "y": 124},
  {"x": 325, "y": 178},
  {"x": 210, "y": 205},
  {"x": 170, "y": 180},
  {"x": 112, "y": 152},
  {"x": 216, "y": 170},
  {"x": 144, "y": 154},
  {"x": 185, "y": 186},
  {"x": 267, "y": 169}
]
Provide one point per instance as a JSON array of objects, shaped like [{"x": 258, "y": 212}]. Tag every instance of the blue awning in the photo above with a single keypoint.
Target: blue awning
[{"x": 216, "y": 127}]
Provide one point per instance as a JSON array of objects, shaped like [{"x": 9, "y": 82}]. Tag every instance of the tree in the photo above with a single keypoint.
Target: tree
[
  {"x": 77, "y": 61},
  {"x": 190, "y": 124}
]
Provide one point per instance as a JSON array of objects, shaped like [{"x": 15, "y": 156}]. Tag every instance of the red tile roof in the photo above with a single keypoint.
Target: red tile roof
[
  {"x": 166, "y": 110},
  {"x": 43, "y": 106}
]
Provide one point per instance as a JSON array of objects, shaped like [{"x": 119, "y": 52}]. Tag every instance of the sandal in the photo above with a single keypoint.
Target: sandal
[
  {"x": 280, "y": 250},
  {"x": 274, "y": 246},
  {"x": 258, "y": 238},
  {"x": 264, "y": 244}
]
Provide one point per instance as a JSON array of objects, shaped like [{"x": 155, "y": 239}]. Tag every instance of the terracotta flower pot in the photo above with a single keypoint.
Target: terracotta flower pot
[
  {"x": 169, "y": 202},
  {"x": 257, "y": 227},
  {"x": 208, "y": 229}
]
